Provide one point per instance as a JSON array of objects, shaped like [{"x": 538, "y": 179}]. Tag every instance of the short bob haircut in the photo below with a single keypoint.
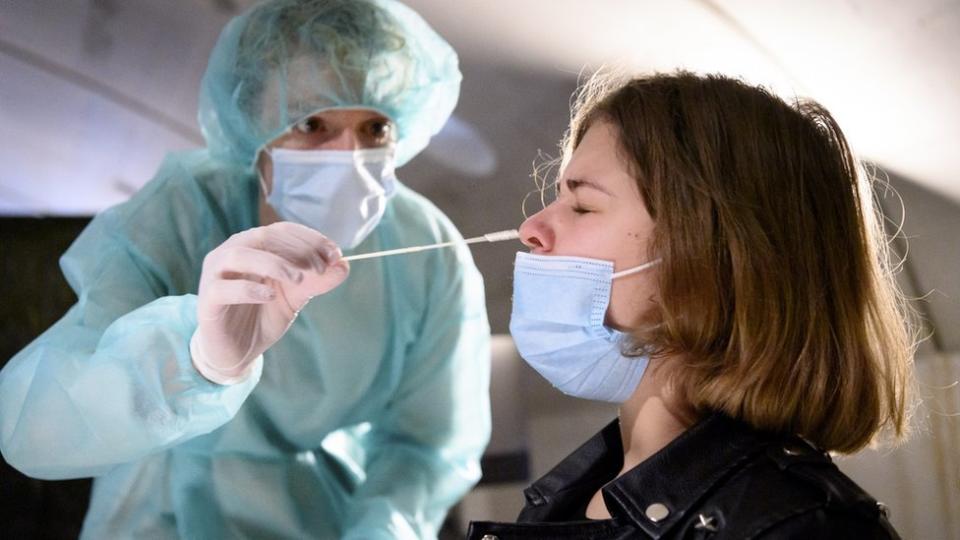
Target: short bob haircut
[{"x": 775, "y": 287}]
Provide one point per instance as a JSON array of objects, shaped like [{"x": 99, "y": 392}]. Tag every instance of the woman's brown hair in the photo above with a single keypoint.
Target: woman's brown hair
[{"x": 776, "y": 292}]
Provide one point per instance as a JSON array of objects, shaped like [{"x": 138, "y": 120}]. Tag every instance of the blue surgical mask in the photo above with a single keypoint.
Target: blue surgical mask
[
  {"x": 340, "y": 193},
  {"x": 559, "y": 305}
]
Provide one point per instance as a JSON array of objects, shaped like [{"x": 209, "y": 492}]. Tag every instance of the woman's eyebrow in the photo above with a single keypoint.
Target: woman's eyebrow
[{"x": 575, "y": 183}]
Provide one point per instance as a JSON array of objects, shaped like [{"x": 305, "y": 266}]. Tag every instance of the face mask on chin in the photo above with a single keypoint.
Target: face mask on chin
[{"x": 557, "y": 323}]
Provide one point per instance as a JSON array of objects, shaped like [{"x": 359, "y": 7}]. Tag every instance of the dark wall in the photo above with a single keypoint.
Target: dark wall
[{"x": 33, "y": 295}]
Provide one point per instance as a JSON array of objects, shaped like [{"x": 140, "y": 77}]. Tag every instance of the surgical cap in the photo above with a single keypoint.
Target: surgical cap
[{"x": 284, "y": 60}]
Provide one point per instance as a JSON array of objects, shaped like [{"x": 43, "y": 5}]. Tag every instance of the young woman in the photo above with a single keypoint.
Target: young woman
[{"x": 714, "y": 263}]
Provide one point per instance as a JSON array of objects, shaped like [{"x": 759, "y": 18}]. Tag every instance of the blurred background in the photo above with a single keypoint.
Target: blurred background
[{"x": 93, "y": 94}]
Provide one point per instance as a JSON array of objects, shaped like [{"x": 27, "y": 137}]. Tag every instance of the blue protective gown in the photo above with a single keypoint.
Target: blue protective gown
[{"x": 366, "y": 420}]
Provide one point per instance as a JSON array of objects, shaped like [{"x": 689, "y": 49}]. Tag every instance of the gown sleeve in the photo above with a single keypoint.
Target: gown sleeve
[{"x": 112, "y": 380}]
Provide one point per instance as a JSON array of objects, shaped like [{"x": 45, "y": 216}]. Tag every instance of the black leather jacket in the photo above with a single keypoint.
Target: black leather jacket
[{"x": 720, "y": 479}]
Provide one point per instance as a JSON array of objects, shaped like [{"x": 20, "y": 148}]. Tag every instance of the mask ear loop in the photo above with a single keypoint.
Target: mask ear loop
[
  {"x": 263, "y": 182},
  {"x": 636, "y": 269},
  {"x": 265, "y": 149}
]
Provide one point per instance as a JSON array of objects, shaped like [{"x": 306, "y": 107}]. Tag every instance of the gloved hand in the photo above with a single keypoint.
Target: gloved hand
[{"x": 251, "y": 288}]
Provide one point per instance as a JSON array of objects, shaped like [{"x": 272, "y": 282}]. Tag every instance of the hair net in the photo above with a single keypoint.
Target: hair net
[{"x": 284, "y": 60}]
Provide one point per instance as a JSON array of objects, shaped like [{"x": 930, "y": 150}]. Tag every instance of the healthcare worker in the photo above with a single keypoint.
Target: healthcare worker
[{"x": 197, "y": 380}]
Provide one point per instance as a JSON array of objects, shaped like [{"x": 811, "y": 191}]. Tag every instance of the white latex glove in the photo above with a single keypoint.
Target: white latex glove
[{"x": 251, "y": 288}]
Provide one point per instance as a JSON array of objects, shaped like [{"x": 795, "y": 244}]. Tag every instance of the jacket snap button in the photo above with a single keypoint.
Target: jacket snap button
[
  {"x": 793, "y": 450},
  {"x": 657, "y": 511},
  {"x": 490, "y": 537}
]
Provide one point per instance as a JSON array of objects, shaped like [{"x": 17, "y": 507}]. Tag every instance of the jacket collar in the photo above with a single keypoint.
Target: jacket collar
[{"x": 660, "y": 491}]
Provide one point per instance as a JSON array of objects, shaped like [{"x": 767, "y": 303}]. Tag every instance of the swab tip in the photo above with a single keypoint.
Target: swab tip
[{"x": 511, "y": 234}]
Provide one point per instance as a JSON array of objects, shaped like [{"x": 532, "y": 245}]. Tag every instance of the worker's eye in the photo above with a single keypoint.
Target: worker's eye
[
  {"x": 310, "y": 125},
  {"x": 380, "y": 131}
]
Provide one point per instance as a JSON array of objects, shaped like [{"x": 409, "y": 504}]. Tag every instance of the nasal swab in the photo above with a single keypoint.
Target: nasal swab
[{"x": 499, "y": 236}]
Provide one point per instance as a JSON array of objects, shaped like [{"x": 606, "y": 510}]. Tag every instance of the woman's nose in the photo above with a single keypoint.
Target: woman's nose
[{"x": 536, "y": 234}]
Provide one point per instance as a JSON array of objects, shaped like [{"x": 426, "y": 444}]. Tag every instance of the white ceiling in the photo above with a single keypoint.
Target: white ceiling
[
  {"x": 887, "y": 69},
  {"x": 93, "y": 93}
]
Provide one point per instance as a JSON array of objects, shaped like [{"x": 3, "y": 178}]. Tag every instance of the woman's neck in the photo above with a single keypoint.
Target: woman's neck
[{"x": 651, "y": 418}]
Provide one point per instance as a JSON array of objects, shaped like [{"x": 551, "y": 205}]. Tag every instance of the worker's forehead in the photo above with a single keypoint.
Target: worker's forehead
[{"x": 303, "y": 86}]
